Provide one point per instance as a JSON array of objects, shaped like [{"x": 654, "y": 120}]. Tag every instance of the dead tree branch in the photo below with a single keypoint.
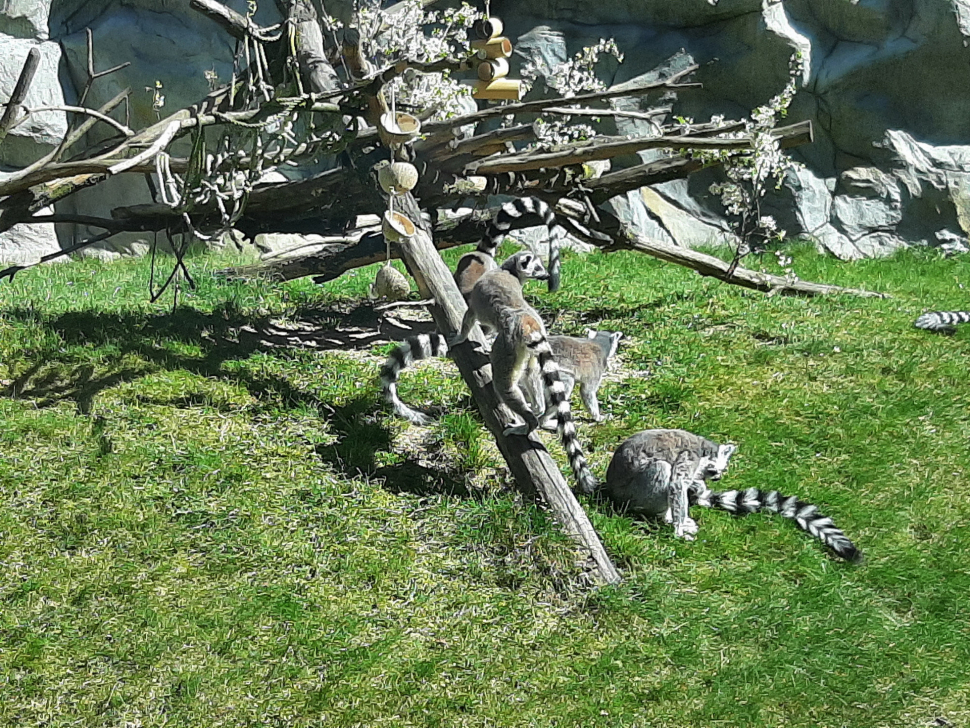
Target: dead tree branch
[{"x": 16, "y": 100}]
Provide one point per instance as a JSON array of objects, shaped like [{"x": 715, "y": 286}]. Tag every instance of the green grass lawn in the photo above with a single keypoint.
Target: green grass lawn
[{"x": 199, "y": 529}]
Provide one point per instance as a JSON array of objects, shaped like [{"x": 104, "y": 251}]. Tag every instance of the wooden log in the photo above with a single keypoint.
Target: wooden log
[{"x": 531, "y": 465}]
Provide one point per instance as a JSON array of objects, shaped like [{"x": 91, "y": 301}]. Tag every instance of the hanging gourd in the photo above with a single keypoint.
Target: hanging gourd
[
  {"x": 396, "y": 226},
  {"x": 493, "y": 49},
  {"x": 397, "y": 178},
  {"x": 398, "y": 127},
  {"x": 390, "y": 284}
]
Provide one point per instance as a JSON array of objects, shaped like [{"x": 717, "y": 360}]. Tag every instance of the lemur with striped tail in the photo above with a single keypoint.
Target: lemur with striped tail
[
  {"x": 662, "y": 472},
  {"x": 522, "y": 265},
  {"x": 496, "y": 302},
  {"x": 580, "y": 360},
  {"x": 473, "y": 265},
  {"x": 942, "y": 321}
]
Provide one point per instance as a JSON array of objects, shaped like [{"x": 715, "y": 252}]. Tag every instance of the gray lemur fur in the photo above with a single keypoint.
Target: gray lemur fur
[
  {"x": 583, "y": 360},
  {"x": 496, "y": 302},
  {"x": 523, "y": 265},
  {"x": 661, "y": 472},
  {"x": 473, "y": 265},
  {"x": 580, "y": 360}
]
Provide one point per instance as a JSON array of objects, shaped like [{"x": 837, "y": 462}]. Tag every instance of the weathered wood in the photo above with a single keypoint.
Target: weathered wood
[
  {"x": 236, "y": 25},
  {"x": 532, "y": 107},
  {"x": 595, "y": 150},
  {"x": 532, "y": 467},
  {"x": 708, "y": 265},
  {"x": 20, "y": 89}
]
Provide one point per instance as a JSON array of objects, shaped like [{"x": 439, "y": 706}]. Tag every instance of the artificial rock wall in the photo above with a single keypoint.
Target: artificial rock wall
[{"x": 887, "y": 86}]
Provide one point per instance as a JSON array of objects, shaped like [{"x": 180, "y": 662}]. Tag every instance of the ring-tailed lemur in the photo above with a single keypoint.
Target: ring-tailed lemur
[
  {"x": 496, "y": 302},
  {"x": 661, "y": 472},
  {"x": 583, "y": 360},
  {"x": 523, "y": 265},
  {"x": 943, "y": 321},
  {"x": 473, "y": 265}
]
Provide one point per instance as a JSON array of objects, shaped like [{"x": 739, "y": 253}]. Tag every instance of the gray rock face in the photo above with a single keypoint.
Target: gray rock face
[{"x": 886, "y": 85}]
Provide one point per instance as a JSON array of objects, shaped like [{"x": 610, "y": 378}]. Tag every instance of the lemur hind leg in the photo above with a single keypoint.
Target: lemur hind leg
[
  {"x": 682, "y": 479},
  {"x": 587, "y": 390},
  {"x": 508, "y": 365}
]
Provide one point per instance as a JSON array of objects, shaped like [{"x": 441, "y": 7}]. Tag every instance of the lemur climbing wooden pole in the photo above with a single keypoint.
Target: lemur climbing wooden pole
[{"x": 531, "y": 464}]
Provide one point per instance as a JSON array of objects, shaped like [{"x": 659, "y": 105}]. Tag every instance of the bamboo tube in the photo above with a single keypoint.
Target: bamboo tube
[
  {"x": 487, "y": 28},
  {"x": 496, "y": 68},
  {"x": 500, "y": 47},
  {"x": 500, "y": 88}
]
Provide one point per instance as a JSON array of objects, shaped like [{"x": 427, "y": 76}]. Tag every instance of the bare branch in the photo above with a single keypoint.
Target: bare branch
[
  {"x": 11, "y": 271},
  {"x": 19, "y": 91},
  {"x": 529, "y": 107},
  {"x": 163, "y": 141},
  {"x": 83, "y": 110},
  {"x": 596, "y": 149},
  {"x": 238, "y": 26}
]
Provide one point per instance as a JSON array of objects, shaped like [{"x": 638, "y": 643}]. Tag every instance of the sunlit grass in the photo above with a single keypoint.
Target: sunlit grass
[{"x": 197, "y": 529}]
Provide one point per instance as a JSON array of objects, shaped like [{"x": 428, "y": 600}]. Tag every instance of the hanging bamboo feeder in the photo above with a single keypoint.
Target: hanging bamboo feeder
[
  {"x": 490, "y": 70},
  {"x": 486, "y": 28},
  {"x": 500, "y": 88},
  {"x": 500, "y": 47}
]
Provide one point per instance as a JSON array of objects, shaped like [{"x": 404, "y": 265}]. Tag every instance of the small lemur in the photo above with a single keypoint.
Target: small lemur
[
  {"x": 496, "y": 302},
  {"x": 473, "y": 265},
  {"x": 582, "y": 360},
  {"x": 942, "y": 321},
  {"x": 661, "y": 472},
  {"x": 579, "y": 359}
]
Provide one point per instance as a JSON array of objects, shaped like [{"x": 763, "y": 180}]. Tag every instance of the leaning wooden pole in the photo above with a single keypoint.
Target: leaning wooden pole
[{"x": 531, "y": 464}]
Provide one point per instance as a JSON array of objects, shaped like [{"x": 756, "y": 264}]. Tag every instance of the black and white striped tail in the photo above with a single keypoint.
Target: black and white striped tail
[
  {"x": 805, "y": 515},
  {"x": 942, "y": 320},
  {"x": 556, "y": 392},
  {"x": 513, "y": 210},
  {"x": 412, "y": 349}
]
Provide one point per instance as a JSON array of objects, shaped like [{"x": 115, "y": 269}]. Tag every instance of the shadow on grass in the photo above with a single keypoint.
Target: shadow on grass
[{"x": 102, "y": 350}]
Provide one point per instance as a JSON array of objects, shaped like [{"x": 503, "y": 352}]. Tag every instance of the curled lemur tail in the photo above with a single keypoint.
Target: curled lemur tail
[
  {"x": 552, "y": 382},
  {"x": 805, "y": 515},
  {"x": 414, "y": 348},
  {"x": 942, "y": 320},
  {"x": 513, "y": 210}
]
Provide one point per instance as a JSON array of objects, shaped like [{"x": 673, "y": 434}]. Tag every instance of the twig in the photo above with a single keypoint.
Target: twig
[
  {"x": 238, "y": 26},
  {"x": 645, "y": 115},
  {"x": 14, "y": 269},
  {"x": 82, "y": 110},
  {"x": 163, "y": 141},
  {"x": 404, "y": 304}
]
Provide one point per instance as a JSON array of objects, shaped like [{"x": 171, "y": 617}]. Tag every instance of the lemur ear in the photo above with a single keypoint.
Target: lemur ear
[
  {"x": 726, "y": 451},
  {"x": 590, "y": 333}
]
